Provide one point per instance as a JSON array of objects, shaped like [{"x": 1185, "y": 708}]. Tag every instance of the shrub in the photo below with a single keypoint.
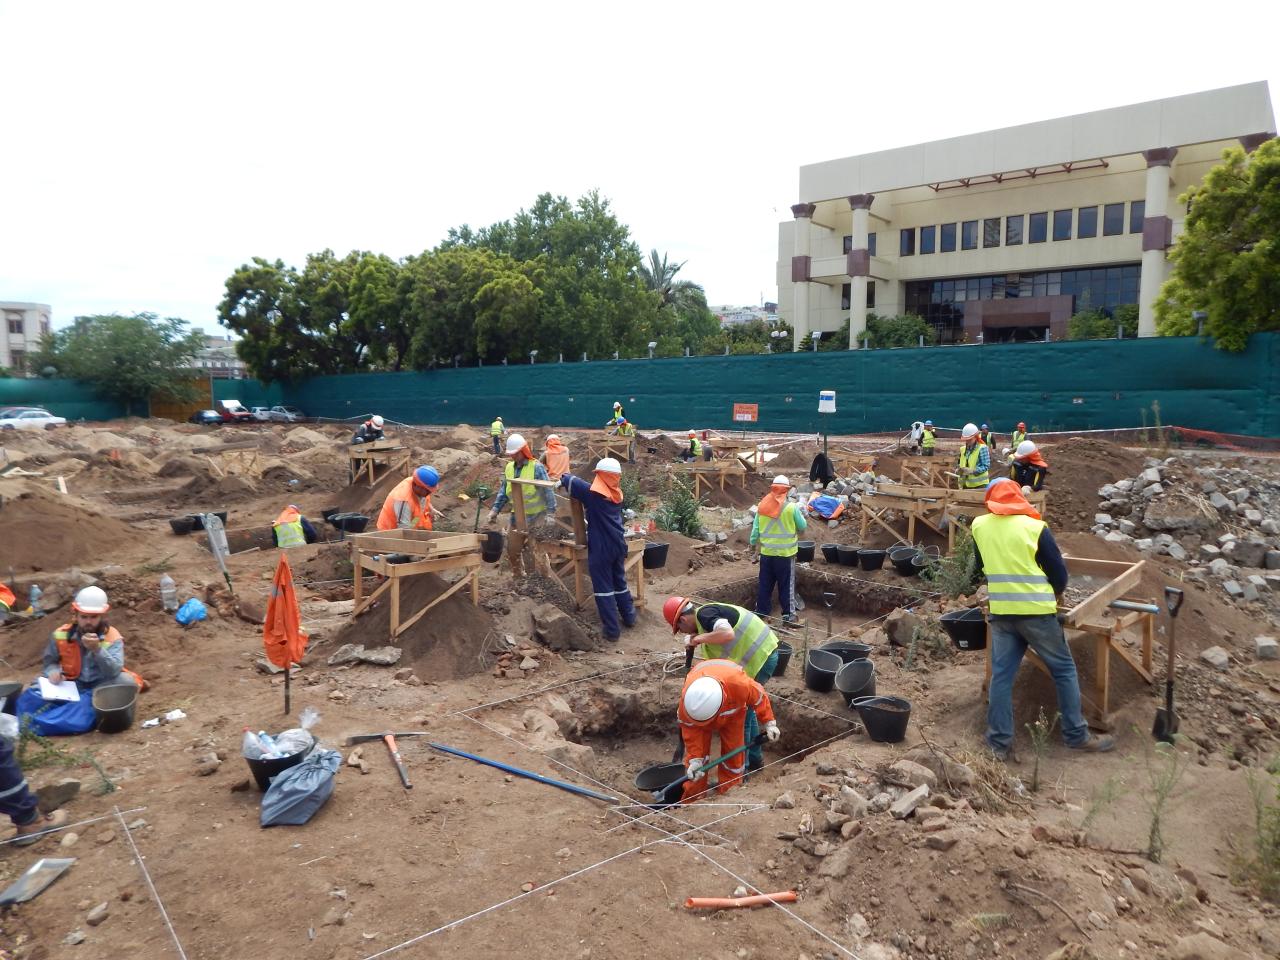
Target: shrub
[{"x": 678, "y": 509}]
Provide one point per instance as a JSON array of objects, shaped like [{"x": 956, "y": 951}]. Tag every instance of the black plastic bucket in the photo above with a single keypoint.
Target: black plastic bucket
[
  {"x": 921, "y": 562},
  {"x": 329, "y": 514},
  {"x": 848, "y": 554},
  {"x": 491, "y": 549},
  {"x": 856, "y": 678},
  {"x": 847, "y": 650},
  {"x": 264, "y": 770},
  {"x": 9, "y": 691},
  {"x": 903, "y": 560},
  {"x": 655, "y": 555},
  {"x": 871, "y": 559},
  {"x": 182, "y": 525},
  {"x": 114, "y": 704},
  {"x": 784, "y": 657},
  {"x": 885, "y": 718},
  {"x": 663, "y": 781},
  {"x": 804, "y": 551},
  {"x": 197, "y": 519},
  {"x": 350, "y": 522},
  {"x": 966, "y": 628},
  {"x": 820, "y": 670},
  {"x": 831, "y": 552}
]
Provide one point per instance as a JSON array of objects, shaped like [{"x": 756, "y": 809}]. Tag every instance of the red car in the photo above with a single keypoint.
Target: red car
[{"x": 232, "y": 411}]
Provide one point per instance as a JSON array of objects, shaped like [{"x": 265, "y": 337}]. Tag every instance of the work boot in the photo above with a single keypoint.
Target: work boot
[
  {"x": 32, "y": 832},
  {"x": 611, "y": 639},
  {"x": 790, "y": 618},
  {"x": 1095, "y": 744},
  {"x": 1003, "y": 754}
]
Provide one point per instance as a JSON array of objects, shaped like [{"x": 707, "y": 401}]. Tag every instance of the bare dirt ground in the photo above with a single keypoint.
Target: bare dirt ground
[{"x": 474, "y": 862}]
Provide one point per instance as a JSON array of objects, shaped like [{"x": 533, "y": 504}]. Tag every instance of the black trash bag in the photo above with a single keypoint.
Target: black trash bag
[
  {"x": 822, "y": 470},
  {"x": 296, "y": 794}
]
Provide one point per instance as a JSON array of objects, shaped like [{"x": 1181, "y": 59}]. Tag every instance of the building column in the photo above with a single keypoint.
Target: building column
[
  {"x": 858, "y": 267},
  {"x": 800, "y": 264},
  {"x": 1157, "y": 236}
]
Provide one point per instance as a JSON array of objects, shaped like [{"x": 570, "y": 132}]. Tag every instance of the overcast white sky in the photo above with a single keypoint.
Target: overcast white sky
[{"x": 151, "y": 148}]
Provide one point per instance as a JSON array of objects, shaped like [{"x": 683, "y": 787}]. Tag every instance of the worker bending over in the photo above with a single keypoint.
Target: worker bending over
[
  {"x": 1027, "y": 468},
  {"x": 975, "y": 459},
  {"x": 539, "y": 502},
  {"x": 606, "y": 544},
  {"x": 292, "y": 529},
  {"x": 1025, "y": 577},
  {"x": 408, "y": 505},
  {"x": 716, "y": 697},
  {"x": 775, "y": 529},
  {"x": 496, "y": 432},
  {"x": 928, "y": 439},
  {"x": 625, "y": 429},
  {"x": 555, "y": 457},
  {"x": 724, "y": 631},
  {"x": 369, "y": 431}
]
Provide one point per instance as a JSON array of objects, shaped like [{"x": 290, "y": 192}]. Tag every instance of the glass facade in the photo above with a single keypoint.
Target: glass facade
[
  {"x": 1013, "y": 230},
  {"x": 947, "y": 238},
  {"x": 1087, "y": 222},
  {"x": 941, "y": 302},
  {"x": 1062, "y": 224},
  {"x": 969, "y": 235},
  {"x": 991, "y": 232},
  {"x": 1039, "y": 228},
  {"x": 1113, "y": 219},
  {"x": 927, "y": 235},
  {"x": 1137, "y": 215}
]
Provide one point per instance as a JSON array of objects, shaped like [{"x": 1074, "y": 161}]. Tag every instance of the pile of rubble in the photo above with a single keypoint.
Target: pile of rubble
[{"x": 1221, "y": 521}]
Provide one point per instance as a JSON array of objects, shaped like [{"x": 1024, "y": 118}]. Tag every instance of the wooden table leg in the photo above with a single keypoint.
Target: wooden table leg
[
  {"x": 1102, "y": 683},
  {"x": 395, "y": 605},
  {"x": 1148, "y": 639},
  {"x": 475, "y": 587},
  {"x": 358, "y": 578}
]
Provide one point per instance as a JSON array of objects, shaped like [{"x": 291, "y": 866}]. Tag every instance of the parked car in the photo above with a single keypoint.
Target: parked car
[
  {"x": 31, "y": 418},
  {"x": 209, "y": 418},
  {"x": 280, "y": 414},
  {"x": 6, "y": 412},
  {"x": 233, "y": 411},
  {"x": 261, "y": 414}
]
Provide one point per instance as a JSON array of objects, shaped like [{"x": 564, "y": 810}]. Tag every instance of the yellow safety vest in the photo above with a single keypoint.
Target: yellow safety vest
[
  {"x": 753, "y": 641},
  {"x": 534, "y": 503},
  {"x": 930, "y": 439},
  {"x": 1016, "y": 585},
  {"x": 627, "y": 430},
  {"x": 495, "y": 428},
  {"x": 778, "y": 534},
  {"x": 289, "y": 535},
  {"x": 969, "y": 459},
  {"x": 695, "y": 445},
  {"x": 1016, "y": 438}
]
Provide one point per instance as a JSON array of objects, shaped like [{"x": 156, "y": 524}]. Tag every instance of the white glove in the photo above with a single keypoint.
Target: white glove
[
  {"x": 771, "y": 731},
  {"x": 691, "y": 767}
]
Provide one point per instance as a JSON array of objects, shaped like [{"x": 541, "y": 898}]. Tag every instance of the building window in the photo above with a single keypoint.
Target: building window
[
  {"x": 1087, "y": 222},
  {"x": 1038, "y": 228},
  {"x": 18, "y": 361},
  {"x": 846, "y": 295},
  {"x": 848, "y": 242},
  {"x": 927, "y": 235},
  {"x": 871, "y": 244},
  {"x": 947, "y": 238},
  {"x": 906, "y": 242},
  {"x": 15, "y": 324},
  {"x": 1013, "y": 231},
  {"x": 969, "y": 235},
  {"x": 991, "y": 232},
  {"x": 1062, "y": 224},
  {"x": 871, "y": 292},
  {"x": 1137, "y": 214},
  {"x": 1113, "y": 219}
]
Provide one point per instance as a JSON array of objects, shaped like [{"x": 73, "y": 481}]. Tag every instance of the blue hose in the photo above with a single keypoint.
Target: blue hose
[{"x": 571, "y": 787}]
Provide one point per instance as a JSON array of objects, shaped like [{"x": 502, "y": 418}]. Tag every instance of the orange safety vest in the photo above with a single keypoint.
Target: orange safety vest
[
  {"x": 69, "y": 657},
  {"x": 403, "y": 493},
  {"x": 7, "y": 599},
  {"x": 740, "y": 692}
]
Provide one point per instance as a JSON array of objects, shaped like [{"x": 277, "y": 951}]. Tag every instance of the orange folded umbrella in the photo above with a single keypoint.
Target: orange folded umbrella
[{"x": 282, "y": 635}]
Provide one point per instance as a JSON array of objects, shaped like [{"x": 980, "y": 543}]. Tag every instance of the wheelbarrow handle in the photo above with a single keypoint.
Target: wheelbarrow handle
[{"x": 1173, "y": 600}]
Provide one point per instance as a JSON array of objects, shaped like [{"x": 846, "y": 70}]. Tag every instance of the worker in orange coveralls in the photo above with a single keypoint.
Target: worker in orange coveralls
[{"x": 715, "y": 699}]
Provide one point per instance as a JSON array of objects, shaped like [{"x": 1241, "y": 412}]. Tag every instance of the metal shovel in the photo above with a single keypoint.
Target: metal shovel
[
  {"x": 671, "y": 793},
  {"x": 829, "y": 599},
  {"x": 1166, "y": 724}
]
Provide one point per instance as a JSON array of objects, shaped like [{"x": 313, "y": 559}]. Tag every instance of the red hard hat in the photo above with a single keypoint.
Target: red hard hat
[{"x": 671, "y": 611}]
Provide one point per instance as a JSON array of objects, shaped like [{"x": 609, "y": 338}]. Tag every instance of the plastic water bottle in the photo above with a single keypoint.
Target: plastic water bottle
[
  {"x": 269, "y": 749},
  {"x": 251, "y": 748},
  {"x": 168, "y": 593},
  {"x": 33, "y": 596}
]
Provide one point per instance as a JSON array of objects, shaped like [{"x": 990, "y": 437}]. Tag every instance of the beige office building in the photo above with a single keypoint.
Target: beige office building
[
  {"x": 1003, "y": 235},
  {"x": 24, "y": 326}
]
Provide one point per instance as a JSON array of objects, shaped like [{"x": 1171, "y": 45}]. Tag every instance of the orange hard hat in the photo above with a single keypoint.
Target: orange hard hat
[
  {"x": 1021, "y": 425},
  {"x": 672, "y": 609}
]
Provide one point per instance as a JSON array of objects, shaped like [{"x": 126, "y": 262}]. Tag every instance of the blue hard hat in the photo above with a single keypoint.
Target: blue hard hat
[
  {"x": 928, "y": 423},
  {"x": 427, "y": 476}
]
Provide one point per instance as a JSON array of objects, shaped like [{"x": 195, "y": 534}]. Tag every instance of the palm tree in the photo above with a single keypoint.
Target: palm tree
[{"x": 660, "y": 277}]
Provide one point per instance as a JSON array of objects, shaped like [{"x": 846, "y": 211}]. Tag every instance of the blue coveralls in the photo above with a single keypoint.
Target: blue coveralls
[{"x": 606, "y": 556}]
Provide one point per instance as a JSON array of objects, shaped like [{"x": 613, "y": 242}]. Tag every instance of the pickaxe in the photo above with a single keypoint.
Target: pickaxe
[{"x": 390, "y": 740}]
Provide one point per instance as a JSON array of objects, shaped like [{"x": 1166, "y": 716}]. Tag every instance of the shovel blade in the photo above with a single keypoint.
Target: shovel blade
[{"x": 1165, "y": 726}]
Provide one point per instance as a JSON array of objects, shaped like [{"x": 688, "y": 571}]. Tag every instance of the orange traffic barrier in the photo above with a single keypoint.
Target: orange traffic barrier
[{"x": 727, "y": 903}]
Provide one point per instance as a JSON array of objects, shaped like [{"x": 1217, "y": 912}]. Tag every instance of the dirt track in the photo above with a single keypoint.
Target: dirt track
[{"x": 379, "y": 866}]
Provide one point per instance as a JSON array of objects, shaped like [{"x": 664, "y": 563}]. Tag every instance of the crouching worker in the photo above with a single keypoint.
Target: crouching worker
[
  {"x": 292, "y": 529},
  {"x": 88, "y": 651},
  {"x": 716, "y": 697}
]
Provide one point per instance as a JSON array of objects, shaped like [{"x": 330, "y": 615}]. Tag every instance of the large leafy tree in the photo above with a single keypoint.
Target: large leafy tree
[
  {"x": 126, "y": 358},
  {"x": 1227, "y": 260}
]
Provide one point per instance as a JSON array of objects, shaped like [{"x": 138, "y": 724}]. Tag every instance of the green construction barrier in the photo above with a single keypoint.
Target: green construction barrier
[
  {"x": 63, "y": 398},
  {"x": 1094, "y": 384}
]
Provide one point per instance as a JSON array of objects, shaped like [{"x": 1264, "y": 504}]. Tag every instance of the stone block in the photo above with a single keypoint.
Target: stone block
[
  {"x": 1177, "y": 551},
  {"x": 913, "y": 773},
  {"x": 1239, "y": 495},
  {"x": 1219, "y": 567},
  {"x": 1272, "y": 560},
  {"x": 1246, "y": 553},
  {"x": 1234, "y": 590},
  {"x": 1128, "y": 526},
  {"x": 1216, "y": 657},
  {"x": 1102, "y": 519},
  {"x": 1266, "y": 648},
  {"x": 1115, "y": 536},
  {"x": 906, "y": 805},
  {"x": 1151, "y": 475},
  {"x": 1253, "y": 516},
  {"x": 1210, "y": 551},
  {"x": 1218, "y": 501}
]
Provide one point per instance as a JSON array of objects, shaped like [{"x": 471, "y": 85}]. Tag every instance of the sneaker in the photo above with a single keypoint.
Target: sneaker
[
  {"x": 1003, "y": 754},
  {"x": 789, "y": 618},
  {"x": 32, "y": 832},
  {"x": 1095, "y": 744}
]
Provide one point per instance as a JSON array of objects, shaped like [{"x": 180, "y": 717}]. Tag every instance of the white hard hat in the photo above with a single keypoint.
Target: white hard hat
[
  {"x": 693, "y": 433},
  {"x": 515, "y": 443},
  {"x": 552, "y": 436},
  {"x": 703, "y": 698},
  {"x": 608, "y": 465},
  {"x": 1025, "y": 449},
  {"x": 377, "y": 420},
  {"x": 616, "y": 405},
  {"x": 91, "y": 600},
  {"x": 781, "y": 481},
  {"x": 970, "y": 430}
]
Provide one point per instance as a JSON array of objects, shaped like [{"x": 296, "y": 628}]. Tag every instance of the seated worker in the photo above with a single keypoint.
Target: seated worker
[
  {"x": 88, "y": 651},
  {"x": 292, "y": 529},
  {"x": 408, "y": 505},
  {"x": 694, "y": 450},
  {"x": 1027, "y": 468},
  {"x": 20, "y": 804},
  {"x": 539, "y": 502},
  {"x": 369, "y": 431},
  {"x": 556, "y": 457}
]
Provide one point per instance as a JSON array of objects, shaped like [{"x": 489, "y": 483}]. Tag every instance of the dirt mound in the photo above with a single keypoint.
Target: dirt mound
[
  {"x": 302, "y": 437},
  {"x": 790, "y": 459},
  {"x": 1078, "y": 466},
  {"x": 360, "y": 498},
  {"x": 184, "y": 467},
  {"x": 223, "y": 489},
  {"x": 444, "y": 645},
  {"x": 463, "y": 436},
  {"x": 46, "y": 531}
]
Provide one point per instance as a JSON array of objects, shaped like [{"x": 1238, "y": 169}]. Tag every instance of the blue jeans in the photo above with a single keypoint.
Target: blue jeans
[
  {"x": 751, "y": 726},
  {"x": 1010, "y": 637}
]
